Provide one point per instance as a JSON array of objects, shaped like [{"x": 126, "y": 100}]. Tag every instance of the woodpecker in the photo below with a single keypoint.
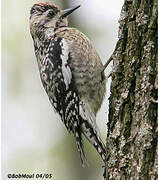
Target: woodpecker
[{"x": 71, "y": 72}]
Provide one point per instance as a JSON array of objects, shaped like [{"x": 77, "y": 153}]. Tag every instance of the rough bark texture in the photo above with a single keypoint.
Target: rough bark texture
[{"x": 132, "y": 126}]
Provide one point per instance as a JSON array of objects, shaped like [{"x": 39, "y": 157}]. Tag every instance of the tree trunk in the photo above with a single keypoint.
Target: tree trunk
[{"x": 132, "y": 127}]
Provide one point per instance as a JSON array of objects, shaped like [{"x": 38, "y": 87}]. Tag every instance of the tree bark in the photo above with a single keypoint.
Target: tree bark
[{"x": 132, "y": 126}]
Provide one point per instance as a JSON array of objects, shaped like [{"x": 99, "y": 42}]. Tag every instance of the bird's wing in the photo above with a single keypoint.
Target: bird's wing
[{"x": 64, "y": 96}]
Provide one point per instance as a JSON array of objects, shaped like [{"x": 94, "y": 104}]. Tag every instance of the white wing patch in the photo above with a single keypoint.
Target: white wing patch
[{"x": 66, "y": 71}]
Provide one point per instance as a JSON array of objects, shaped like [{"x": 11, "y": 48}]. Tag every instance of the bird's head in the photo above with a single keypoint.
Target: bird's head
[{"x": 46, "y": 15}]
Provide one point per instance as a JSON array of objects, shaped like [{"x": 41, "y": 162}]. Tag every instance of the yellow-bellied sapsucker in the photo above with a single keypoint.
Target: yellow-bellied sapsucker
[{"x": 71, "y": 72}]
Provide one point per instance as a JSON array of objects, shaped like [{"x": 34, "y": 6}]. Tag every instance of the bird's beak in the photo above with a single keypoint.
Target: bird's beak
[{"x": 66, "y": 12}]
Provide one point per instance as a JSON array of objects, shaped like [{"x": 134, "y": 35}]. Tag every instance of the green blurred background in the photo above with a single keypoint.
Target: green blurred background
[{"x": 34, "y": 140}]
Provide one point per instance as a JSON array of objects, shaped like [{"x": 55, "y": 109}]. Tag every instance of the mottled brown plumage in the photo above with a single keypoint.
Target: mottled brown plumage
[
  {"x": 86, "y": 67},
  {"x": 71, "y": 72}
]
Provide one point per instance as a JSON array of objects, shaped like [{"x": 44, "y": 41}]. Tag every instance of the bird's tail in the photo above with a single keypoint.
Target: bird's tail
[
  {"x": 94, "y": 139},
  {"x": 90, "y": 130}
]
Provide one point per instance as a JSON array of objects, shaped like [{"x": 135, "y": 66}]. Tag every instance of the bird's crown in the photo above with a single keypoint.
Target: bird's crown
[
  {"x": 40, "y": 8},
  {"x": 46, "y": 15}
]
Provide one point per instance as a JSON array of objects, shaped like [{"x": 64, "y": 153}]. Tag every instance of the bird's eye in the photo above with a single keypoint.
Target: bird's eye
[{"x": 51, "y": 13}]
